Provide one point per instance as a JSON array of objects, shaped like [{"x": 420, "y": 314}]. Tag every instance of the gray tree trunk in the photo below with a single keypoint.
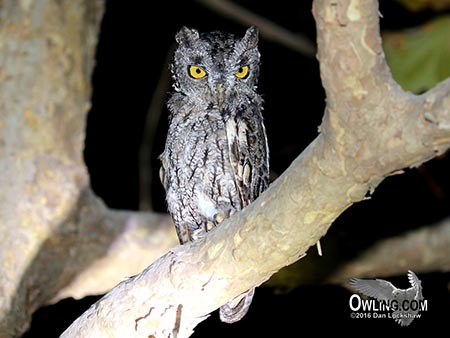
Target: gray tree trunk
[{"x": 46, "y": 59}]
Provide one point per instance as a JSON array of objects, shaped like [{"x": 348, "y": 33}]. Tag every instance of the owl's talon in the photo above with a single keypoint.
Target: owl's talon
[
  {"x": 209, "y": 225},
  {"x": 218, "y": 218},
  {"x": 197, "y": 234}
]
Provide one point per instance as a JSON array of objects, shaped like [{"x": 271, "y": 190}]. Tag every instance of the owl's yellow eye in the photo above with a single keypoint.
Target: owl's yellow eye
[
  {"x": 242, "y": 72},
  {"x": 196, "y": 72}
]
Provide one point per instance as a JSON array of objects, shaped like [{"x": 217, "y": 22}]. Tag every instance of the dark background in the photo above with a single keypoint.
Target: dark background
[{"x": 134, "y": 43}]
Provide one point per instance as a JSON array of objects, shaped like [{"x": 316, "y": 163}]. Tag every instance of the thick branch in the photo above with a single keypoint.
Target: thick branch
[
  {"x": 371, "y": 128},
  {"x": 422, "y": 250},
  {"x": 125, "y": 243}
]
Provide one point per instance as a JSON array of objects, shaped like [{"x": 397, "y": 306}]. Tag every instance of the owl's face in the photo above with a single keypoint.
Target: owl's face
[{"x": 216, "y": 69}]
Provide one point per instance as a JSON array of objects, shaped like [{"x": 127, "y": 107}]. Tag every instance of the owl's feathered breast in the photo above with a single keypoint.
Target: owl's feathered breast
[{"x": 214, "y": 163}]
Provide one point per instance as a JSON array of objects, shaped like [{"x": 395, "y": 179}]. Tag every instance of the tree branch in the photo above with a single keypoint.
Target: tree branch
[
  {"x": 424, "y": 250},
  {"x": 371, "y": 129},
  {"x": 128, "y": 241},
  {"x": 268, "y": 29}
]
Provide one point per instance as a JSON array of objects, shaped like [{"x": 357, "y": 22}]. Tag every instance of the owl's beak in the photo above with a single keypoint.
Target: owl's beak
[{"x": 220, "y": 92}]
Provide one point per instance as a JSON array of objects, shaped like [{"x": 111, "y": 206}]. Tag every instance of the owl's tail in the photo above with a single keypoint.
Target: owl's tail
[{"x": 235, "y": 310}]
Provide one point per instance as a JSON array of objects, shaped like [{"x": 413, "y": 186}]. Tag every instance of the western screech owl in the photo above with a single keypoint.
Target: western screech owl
[{"x": 216, "y": 159}]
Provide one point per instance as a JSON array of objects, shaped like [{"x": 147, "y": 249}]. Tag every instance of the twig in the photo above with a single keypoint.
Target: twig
[{"x": 151, "y": 123}]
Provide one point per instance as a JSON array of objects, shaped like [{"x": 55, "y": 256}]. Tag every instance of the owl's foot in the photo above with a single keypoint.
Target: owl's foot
[
  {"x": 219, "y": 217},
  {"x": 197, "y": 234}
]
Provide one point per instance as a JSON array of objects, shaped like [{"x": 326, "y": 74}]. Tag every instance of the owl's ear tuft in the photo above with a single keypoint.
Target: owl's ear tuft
[
  {"x": 251, "y": 37},
  {"x": 186, "y": 35}
]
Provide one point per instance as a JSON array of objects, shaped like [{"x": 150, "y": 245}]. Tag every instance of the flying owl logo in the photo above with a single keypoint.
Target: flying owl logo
[{"x": 405, "y": 303}]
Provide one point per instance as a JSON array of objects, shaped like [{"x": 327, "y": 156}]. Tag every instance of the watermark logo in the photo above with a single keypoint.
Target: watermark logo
[{"x": 403, "y": 305}]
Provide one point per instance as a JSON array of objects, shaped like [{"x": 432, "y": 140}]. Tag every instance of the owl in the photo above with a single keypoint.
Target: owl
[{"x": 216, "y": 158}]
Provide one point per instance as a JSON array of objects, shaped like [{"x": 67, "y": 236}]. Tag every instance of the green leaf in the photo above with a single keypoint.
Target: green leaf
[{"x": 419, "y": 58}]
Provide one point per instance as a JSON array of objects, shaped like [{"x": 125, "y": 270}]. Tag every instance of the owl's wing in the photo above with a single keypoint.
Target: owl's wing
[
  {"x": 258, "y": 153},
  {"x": 413, "y": 280},
  {"x": 182, "y": 229},
  {"x": 415, "y": 291},
  {"x": 376, "y": 288},
  {"x": 248, "y": 155}
]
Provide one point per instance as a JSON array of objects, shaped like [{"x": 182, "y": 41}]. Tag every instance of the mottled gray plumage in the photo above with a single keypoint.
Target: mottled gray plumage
[{"x": 216, "y": 157}]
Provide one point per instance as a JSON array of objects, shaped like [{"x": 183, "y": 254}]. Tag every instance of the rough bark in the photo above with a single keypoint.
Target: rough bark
[
  {"x": 422, "y": 250},
  {"x": 370, "y": 130}
]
